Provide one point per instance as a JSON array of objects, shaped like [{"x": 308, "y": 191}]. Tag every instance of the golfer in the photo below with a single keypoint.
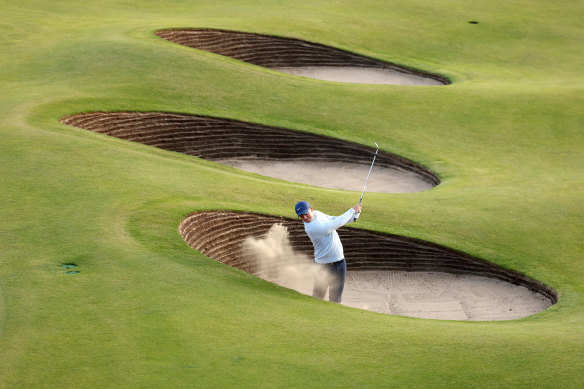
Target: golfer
[{"x": 329, "y": 260}]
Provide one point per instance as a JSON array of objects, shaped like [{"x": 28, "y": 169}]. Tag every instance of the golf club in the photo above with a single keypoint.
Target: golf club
[{"x": 367, "y": 180}]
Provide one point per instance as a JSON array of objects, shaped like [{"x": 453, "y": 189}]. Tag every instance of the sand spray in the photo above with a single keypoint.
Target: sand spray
[{"x": 276, "y": 261}]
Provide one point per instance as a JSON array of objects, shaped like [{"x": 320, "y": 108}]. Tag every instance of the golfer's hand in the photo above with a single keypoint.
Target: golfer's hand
[{"x": 357, "y": 208}]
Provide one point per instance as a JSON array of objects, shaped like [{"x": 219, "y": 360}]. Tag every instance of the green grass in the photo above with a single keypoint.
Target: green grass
[{"x": 147, "y": 311}]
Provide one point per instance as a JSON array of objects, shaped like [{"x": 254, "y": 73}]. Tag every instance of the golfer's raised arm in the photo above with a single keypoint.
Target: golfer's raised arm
[{"x": 334, "y": 222}]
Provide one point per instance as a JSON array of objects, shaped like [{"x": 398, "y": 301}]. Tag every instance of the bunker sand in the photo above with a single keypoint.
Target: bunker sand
[
  {"x": 360, "y": 75},
  {"x": 444, "y": 296},
  {"x": 428, "y": 295},
  {"x": 339, "y": 175}
]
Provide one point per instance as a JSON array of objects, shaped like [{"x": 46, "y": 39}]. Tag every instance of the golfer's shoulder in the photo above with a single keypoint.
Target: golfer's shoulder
[{"x": 323, "y": 217}]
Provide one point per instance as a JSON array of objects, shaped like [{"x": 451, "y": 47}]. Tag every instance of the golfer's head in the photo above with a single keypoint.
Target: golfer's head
[{"x": 304, "y": 211}]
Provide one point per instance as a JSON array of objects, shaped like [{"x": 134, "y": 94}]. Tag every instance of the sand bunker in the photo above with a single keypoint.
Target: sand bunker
[
  {"x": 360, "y": 75},
  {"x": 339, "y": 175},
  {"x": 300, "y": 57},
  {"x": 270, "y": 151},
  {"x": 434, "y": 295},
  {"x": 386, "y": 273}
]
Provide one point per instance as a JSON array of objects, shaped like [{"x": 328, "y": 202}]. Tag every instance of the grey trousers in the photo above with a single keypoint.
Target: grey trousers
[{"x": 330, "y": 276}]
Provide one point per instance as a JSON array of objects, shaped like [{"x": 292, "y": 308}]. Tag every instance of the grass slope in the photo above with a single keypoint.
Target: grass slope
[{"x": 147, "y": 311}]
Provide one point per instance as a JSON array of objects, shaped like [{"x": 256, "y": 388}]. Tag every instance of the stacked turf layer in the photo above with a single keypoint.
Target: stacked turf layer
[{"x": 146, "y": 310}]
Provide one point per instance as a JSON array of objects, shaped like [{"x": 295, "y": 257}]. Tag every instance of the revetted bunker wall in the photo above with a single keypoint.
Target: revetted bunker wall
[
  {"x": 216, "y": 139},
  {"x": 220, "y": 235},
  {"x": 272, "y": 51}
]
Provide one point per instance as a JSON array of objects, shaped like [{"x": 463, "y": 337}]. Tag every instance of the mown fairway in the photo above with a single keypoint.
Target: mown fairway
[{"x": 146, "y": 310}]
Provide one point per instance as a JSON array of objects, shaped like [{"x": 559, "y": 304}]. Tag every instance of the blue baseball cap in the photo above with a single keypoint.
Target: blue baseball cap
[{"x": 302, "y": 208}]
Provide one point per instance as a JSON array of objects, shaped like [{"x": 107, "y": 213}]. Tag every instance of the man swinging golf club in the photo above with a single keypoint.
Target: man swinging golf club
[{"x": 329, "y": 260}]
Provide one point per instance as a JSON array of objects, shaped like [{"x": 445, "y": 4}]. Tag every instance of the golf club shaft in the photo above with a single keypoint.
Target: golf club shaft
[
  {"x": 368, "y": 175},
  {"x": 366, "y": 181}
]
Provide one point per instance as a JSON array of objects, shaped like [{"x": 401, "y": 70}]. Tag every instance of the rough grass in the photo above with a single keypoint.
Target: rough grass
[{"x": 147, "y": 311}]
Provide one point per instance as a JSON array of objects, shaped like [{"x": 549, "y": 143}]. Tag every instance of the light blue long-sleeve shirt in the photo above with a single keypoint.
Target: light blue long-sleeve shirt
[{"x": 324, "y": 237}]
